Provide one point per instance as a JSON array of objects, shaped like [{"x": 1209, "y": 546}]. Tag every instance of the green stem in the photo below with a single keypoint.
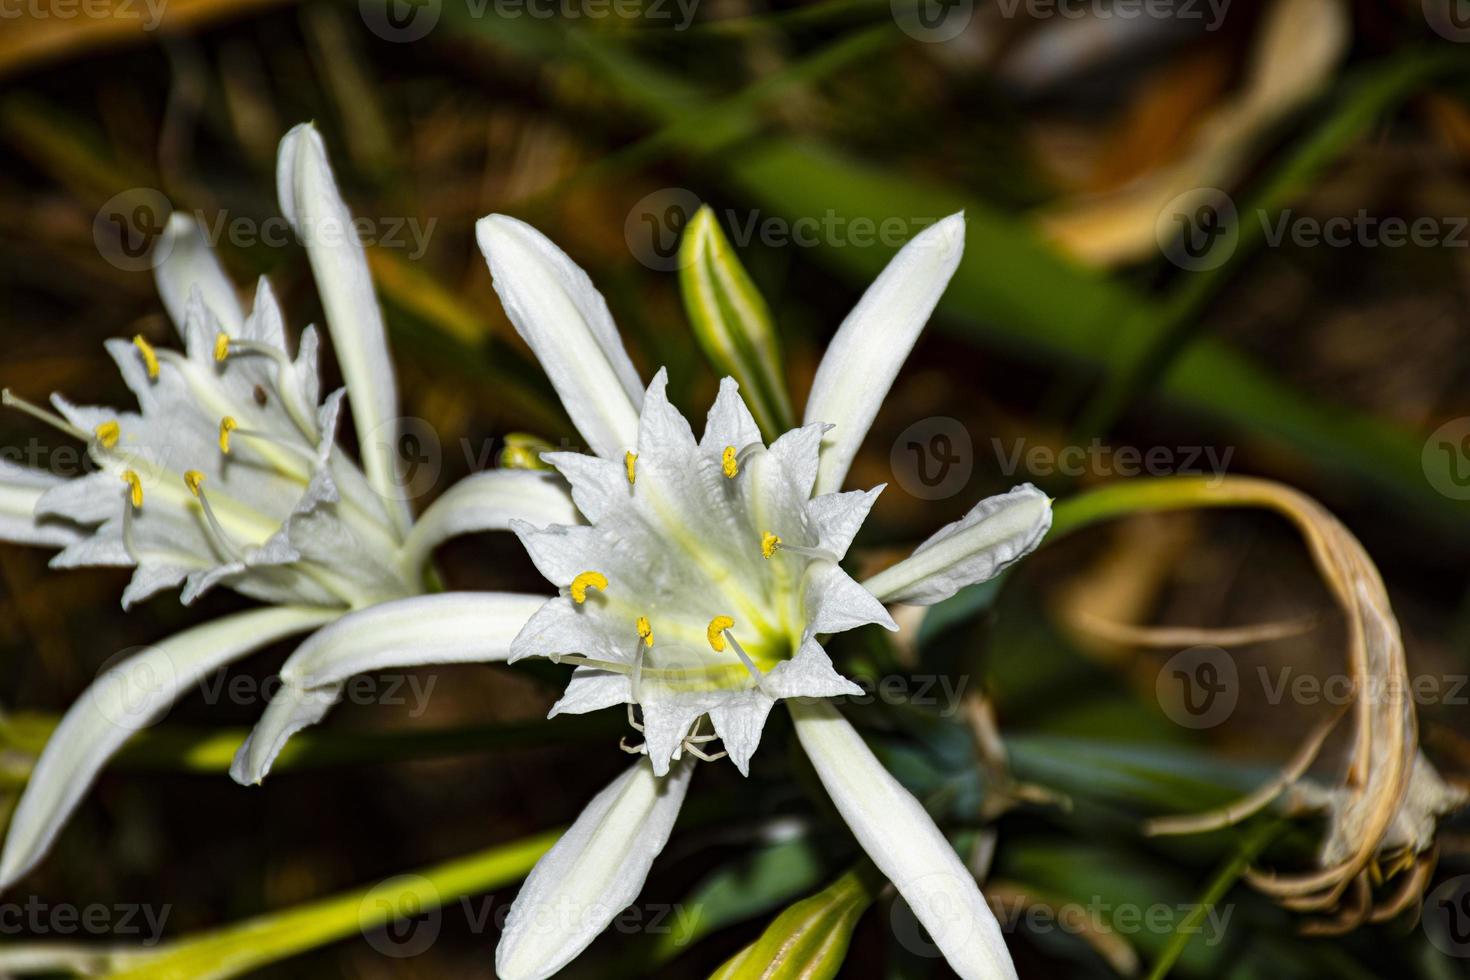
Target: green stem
[{"x": 1254, "y": 843}]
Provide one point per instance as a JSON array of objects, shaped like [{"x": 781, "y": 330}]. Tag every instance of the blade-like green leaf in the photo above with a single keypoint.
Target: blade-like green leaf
[
  {"x": 809, "y": 940},
  {"x": 234, "y": 950},
  {"x": 731, "y": 321}
]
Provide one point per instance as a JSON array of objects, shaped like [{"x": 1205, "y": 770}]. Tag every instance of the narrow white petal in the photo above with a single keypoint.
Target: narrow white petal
[
  {"x": 904, "y": 843},
  {"x": 594, "y": 872},
  {"x": 836, "y": 603},
  {"x": 448, "y": 628},
  {"x": 189, "y": 264},
  {"x": 839, "y": 516},
  {"x": 125, "y": 699},
  {"x": 997, "y": 532},
  {"x": 729, "y": 422},
  {"x": 312, "y": 203},
  {"x": 488, "y": 502},
  {"x": 875, "y": 340},
  {"x": 565, "y": 320},
  {"x": 20, "y": 489}
]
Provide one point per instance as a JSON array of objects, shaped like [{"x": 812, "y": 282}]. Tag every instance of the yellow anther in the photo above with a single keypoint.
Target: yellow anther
[
  {"x": 587, "y": 580},
  {"x": 630, "y": 463},
  {"x": 221, "y": 346},
  {"x": 715, "y": 632},
  {"x": 194, "y": 480},
  {"x": 226, "y": 426},
  {"x": 729, "y": 463},
  {"x": 769, "y": 544},
  {"x": 108, "y": 433},
  {"x": 645, "y": 631},
  {"x": 135, "y": 487},
  {"x": 150, "y": 356}
]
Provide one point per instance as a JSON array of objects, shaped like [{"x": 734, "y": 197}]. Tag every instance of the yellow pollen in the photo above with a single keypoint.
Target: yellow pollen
[
  {"x": 715, "y": 632},
  {"x": 221, "y": 346},
  {"x": 150, "y": 356},
  {"x": 769, "y": 544},
  {"x": 630, "y": 462},
  {"x": 135, "y": 486},
  {"x": 645, "y": 631},
  {"x": 226, "y": 426},
  {"x": 729, "y": 463},
  {"x": 587, "y": 580},
  {"x": 108, "y": 433},
  {"x": 194, "y": 480}
]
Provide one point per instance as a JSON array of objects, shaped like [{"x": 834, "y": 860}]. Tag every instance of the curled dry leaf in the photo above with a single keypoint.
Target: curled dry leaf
[{"x": 1379, "y": 850}]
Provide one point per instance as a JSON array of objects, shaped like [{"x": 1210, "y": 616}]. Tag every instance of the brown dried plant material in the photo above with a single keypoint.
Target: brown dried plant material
[{"x": 1382, "y": 815}]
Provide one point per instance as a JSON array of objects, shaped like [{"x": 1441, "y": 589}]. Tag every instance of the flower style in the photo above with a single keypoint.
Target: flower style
[
  {"x": 229, "y": 474},
  {"x": 704, "y": 577}
]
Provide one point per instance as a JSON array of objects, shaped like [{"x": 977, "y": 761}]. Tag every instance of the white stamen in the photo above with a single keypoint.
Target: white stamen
[{"x": 760, "y": 679}]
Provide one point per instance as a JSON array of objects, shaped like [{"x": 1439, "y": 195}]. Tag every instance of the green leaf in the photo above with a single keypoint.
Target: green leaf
[
  {"x": 731, "y": 321},
  {"x": 809, "y": 940},
  {"x": 237, "y": 949},
  {"x": 745, "y": 888}
]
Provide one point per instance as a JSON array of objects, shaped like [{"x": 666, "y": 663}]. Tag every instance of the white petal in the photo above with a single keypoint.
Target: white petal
[
  {"x": 875, "y": 340},
  {"x": 904, "y": 843},
  {"x": 591, "y": 689},
  {"x": 835, "y": 603},
  {"x": 809, "y": 674},
  {"x": 565, "y": 320},
  {"x": 995, "y": 533},
  {"x": 21, "y": 488},
  {"x": 729, "y": 422},
  {"x": 839, "y": 516},
  {"x": 123, "y": 700},
  {"x": 488, "y": 502},
  {"x": 451, "y": 627},
  {"x": 799, "y": 452},
  {"x": 739, "y": 720},
  {"x": 311, "y": 202},
  {"x": 191, "y": 264},
  {"x": 597, "y": 484},
  {"x": 594, "y": 872}
]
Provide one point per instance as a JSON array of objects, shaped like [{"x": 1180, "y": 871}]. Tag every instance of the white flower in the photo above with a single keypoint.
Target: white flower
[
  {"x": 699, "y": 587},
  {"x": 229, "y": 474}
]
